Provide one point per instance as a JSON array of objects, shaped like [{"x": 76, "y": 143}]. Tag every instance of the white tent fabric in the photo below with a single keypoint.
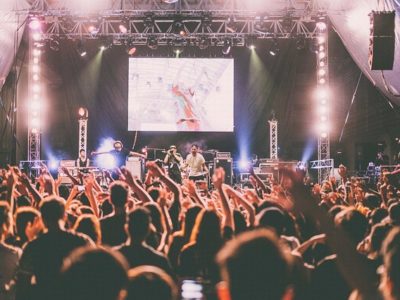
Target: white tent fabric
[
  {"x": 11, "y": 29},
  {"x": 351, "y": 21}
]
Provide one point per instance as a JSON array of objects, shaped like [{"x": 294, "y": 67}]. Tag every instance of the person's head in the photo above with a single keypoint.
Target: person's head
[
  {"x": 272, "y": 218},
  {"x": 394, "y": 213},
  {"x": 118, "y": 145},
  {"x": 52, "y": 210},
  {"x": 377, "y": 215},
  {"x": 390, "y": 277},
  {"x": 89, "y": 225},
  {"x": 371, "y": 201},
  {"x": 157, "y": 218},
  {"x": 150, "y": 283},
  {"x": 93, "y": 273},
  {"x": 172, "y": 148},
  {"x": 23, "y": 217},
  {"x": 82, "y": 153},
  {"x": 253, "y": 266},
  {"x": 353, "y": 223},
  {"x": 119, "y": 194},
  {"x": 207, "y": 230},
  {"x": 5, "y": 219},
  {"x": 194, "y": 149},
  {"x": 190, "y": 219},
  {"x": 139, "y": 221},
  {"x": 378, "y": 235}
]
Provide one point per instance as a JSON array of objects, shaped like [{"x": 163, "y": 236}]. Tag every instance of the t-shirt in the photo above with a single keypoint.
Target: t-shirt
[
  {"x": 120, "y": 156},
  {"x": 195, "y": 164},
  {"x": 113, "y": 230}
]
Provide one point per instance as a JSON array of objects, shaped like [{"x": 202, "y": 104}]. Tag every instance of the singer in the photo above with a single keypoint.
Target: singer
[{"x": 174, "y": 160}]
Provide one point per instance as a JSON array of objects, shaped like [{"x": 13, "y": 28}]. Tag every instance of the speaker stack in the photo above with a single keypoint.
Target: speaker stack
[{"x": 382, "y": 40}]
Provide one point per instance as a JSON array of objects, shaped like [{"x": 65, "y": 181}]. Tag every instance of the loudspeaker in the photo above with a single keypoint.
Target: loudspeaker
[
  {"x": 382, "y": 40},
  {"x": 225, "y": 164}
]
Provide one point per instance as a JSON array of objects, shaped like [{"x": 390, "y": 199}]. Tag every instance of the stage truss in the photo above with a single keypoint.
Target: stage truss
[{"x": 213, "y": 21}]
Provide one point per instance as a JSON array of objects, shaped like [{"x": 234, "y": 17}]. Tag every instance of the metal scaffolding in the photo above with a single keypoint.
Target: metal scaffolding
[{"x": 273, "y": 139}]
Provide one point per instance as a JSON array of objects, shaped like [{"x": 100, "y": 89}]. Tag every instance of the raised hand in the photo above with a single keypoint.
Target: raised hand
[
  {"x": 154, "y": 169},
  {"x": 218, "y": 177}
]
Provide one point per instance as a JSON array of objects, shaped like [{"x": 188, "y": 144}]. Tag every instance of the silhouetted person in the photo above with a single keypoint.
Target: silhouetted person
[
  {"x": 112, "y": 226},
  {"x": 253, "y": 266},
  {"x": 90, "y": 273},
  {"x": 42, "y": 257},
  {"x": 135, "y": 250},
  {"x": 150, "y": 283}
]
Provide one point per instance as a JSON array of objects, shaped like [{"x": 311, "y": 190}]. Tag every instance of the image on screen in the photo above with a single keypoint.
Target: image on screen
[{"x": 180, "y": 94}]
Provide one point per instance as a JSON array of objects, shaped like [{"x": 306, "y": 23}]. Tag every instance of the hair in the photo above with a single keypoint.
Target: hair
[
  {"x": 394, "y": 213},
  {"x": 82, "y": 150},
  {"x": 52, "y": 210},
  {"x": 23, "y": 216},
  {"x": 378, "y": 235},
  {"x": 207, "y": 229},
  {"x": 391, "y": 260},
  {"x": 119, "y": 194},
  {"x": 254, "y": 266},
  {"x": 89, "y": 225},
  {"x": 5, "y": 218},
  {"x": 190, "y": 220},
  {"x": 93, "y": 273},
  {"x": 353, "y": 222},
  {"x": 272, "y": 218},
  {"x": 139, "y": 221},
  {"x": 195, "y": 145},
  {"x": 150, "y": 283},
  {"x": 157, "y": 218}
]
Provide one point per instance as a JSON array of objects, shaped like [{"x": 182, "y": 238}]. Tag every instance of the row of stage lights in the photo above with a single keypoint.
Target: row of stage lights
[
  {"x": 34, "y": 79},
  {"x": 322, "y": 80}
]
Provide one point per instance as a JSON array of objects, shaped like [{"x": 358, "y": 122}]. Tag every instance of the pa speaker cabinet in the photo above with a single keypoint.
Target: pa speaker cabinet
[
  {"x": 382, "y": 40},
  {"x": 225, "y": 164}
]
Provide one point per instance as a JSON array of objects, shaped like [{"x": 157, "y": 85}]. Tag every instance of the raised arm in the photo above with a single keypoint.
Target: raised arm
[
  {"x": 139, "y": 190},
  {"x": 242, "y": 200},
  {"x": 218, "y": 180}
]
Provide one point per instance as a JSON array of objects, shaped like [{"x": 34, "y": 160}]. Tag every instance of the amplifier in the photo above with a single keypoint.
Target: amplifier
[
  {"x": 223, "y": 155},
  {"x": 225, "y": 164},
  {"x": 134, "y": 165}
]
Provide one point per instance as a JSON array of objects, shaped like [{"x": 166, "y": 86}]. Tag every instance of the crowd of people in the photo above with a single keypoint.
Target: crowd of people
[{"x": 158, "y": 239}]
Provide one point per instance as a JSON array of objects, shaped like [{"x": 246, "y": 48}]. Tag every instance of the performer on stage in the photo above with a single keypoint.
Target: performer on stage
[
  {"x": 196, "y": 163},
  {"x": 82, "y": 161},
  {"x": 174, "y": 160},
  {"x": 120, "y": 153}
]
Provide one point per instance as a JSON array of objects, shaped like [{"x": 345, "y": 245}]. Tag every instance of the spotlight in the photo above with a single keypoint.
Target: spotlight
[
  {"x": 300, "y": 43},
  {"x": 321, "y": 55},
  {"x": 36, "y": 52},
  {"x": 324, "y": 135},
  {"x": 34, "y": 130},
  {"x": 226, "y": 49},
  {"x": 122, "y": 28},
  {"x": 35, "y": 77},
  {"x": 322, "y": 81},
  {"x": 54, "y": 45},
  {"x": 322, "y": 64},
  {"x": 35, "y": 60},
  {"x": 244, "y": 165},
  {"x": 274, "y": 50},
  {"x": 93, "y": 30},
  {"x": 34, "y": 24},
  {"x": 83, "y": 113},
  {"x": 53, "y": 165},
  {"x": 80, "y": 48},
  {"x": 36, "y": 88},
  {"x": 37, "y": 36},
  {"x": 106, "y": 43},
  {"x": 321, "y": 26},
  {"x": 321, "y": 40},
  {"x": 35, "y": 122},
  {"x": 251, "y": 43},
  {"x": 178, "y": 28},
  {"x": 35, "y": 105},
  {"x": 321, "y": 93},
  {"x": 152, "y": 42},
  {"x": 35, "y": 69},
  {"x": 204, "y": 43},
  {"x": 169, "y": 1},
  {"x": 130, "y": 48},
  {"x": 321, "y": 72}
]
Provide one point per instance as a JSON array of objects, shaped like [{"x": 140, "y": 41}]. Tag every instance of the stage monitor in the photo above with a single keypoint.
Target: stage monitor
[{"x": 180, "y": 94}]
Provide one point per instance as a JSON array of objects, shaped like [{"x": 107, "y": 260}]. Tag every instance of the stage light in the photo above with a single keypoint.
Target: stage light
[
  {"x": 131, "y": 50},
  {"x": 34, "y": 24},
  {"x": 204, "y": 43},
  {"x": 169, "y": 1},
  {"x": 106, "y": 161},
  {"x": 321, "y": 40},
  {"x": 152, "y": 42},
  {"x": 36, "y": 52},
  {"x": 35, "y": 105},
  {"x": 37, "y": 36},
  {"x": 244, "y": 165},
  {"x": 34, "y": 130},
  {"x": 300, "y": 43},
  {"x": 321, "y": 55},
  {"x": 36, "y": 88},
  {"x": 54, "y": 45},
  {"x": 321, "y": 93},
  {"x": 93, "y": 30},
  {"x": 122, "y": 28},
  {"x": 35, "y": 77},
  {"x": 324, "y": 135},
  {"x": 322, "y": 64},
  {"x": 35, "y": 60},
  {"x": 321, "y": 48},
  {"x": 80, "y": 48},
  {"x": 83, "y": 112},
  {"x": 53, "y": 164},
  {"x": 321, "y": 72},
  {"x": 102, "y": 48},
  {"x": 324, "y": 118},
  {"x": 322, "y": 81},
  {"x": 35, "y": 122},
  {"x": 274, "y": 49},
  {"x": 321, "y": 26},
  {"x": 226, "y": 49},
  {"x": 178, "y": 28}
]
